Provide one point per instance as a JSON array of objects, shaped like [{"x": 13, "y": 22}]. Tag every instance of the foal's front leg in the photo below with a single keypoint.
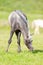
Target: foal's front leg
[{"x": 10, "y": 39}]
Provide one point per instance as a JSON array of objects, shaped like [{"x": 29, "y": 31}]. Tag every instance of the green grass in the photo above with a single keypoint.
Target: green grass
[
  {"x": 4, "y": 15},
  {"x": 32, "y": 8},
  {"x": 28, "y": 6}
]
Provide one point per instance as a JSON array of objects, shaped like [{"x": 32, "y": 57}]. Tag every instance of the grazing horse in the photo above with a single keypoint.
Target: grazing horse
[
  {"x": 18, "y": 23},
  {"x": 36, "y": 24}
]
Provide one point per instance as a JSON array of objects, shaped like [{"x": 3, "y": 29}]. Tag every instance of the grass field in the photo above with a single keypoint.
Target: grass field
[
  {"x": 28, "y": 6},
  {"x": 25, "y": 57},
  {"x": 34, "y": 10}
]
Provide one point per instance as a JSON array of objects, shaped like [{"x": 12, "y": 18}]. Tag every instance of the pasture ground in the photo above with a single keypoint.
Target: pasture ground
[{"x": 25, "y": 57}]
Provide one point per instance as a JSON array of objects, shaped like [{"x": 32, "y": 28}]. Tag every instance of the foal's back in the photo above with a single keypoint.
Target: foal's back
[{"x": 17, "y": 16}]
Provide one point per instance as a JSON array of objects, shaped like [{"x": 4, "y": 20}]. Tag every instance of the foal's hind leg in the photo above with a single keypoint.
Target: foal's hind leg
[
  {"x": 10, "y": 39},
  {"x": 18, "y": 40}
]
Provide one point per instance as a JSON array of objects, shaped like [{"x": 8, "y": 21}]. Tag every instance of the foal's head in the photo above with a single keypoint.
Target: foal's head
[{"x": 28, "y": 42}]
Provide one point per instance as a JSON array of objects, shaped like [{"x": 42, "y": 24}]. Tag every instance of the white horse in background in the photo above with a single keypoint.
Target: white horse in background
[{"x": 36, "y": 24}]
